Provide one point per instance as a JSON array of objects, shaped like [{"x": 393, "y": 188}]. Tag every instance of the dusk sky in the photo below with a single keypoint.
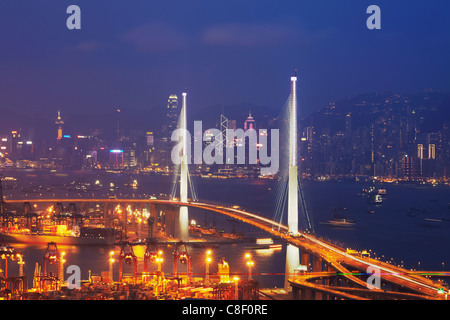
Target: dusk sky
[{"x": 136, "y": 53}]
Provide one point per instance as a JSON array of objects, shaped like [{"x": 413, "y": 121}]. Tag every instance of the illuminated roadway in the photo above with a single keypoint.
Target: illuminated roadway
[{"x": 336, "y": 257}]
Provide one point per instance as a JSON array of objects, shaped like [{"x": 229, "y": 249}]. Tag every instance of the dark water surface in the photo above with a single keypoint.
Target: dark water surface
[{"x": 390, "y": 233}]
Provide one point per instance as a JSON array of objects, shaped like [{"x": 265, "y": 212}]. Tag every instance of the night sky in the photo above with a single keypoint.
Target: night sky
[{"x": 136, "y": 53}]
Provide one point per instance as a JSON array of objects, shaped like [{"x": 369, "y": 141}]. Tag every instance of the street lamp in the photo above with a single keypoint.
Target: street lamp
[
  {"x": 208, "y": 261},
  {"x": 159, "y": 277},
  {"x": 159, "y": 259},
  {"x": 250, "y": 264},
  {"x": 111, "y": 261},
  {"x": 61, "y": 265}
]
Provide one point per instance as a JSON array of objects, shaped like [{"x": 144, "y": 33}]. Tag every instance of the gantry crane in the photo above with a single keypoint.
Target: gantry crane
[
  {"x": 6, "y": 251},
  {"x": 151, "y": 253},
  {"x": 127, "y": 255},
  {"x": 31, "y": 216},
  {"x": 181, "y": 254},
  {"x": 52, "y": 256}
]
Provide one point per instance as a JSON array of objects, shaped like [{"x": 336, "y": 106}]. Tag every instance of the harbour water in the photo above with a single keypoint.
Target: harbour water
[{"x": 416, "y": 241}]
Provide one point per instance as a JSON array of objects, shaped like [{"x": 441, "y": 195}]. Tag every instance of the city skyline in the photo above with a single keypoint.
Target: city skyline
[
  {"x": 384, "y": 134},
  {"x": 133, "y": 56}
]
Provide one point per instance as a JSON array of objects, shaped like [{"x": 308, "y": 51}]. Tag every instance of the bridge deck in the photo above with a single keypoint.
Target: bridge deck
[{"x": 337, "y": 257}]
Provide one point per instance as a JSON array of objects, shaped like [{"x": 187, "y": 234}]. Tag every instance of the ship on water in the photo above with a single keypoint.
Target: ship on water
[
  {"x": 60, "y": 234},
  {"x": 340, "y": 220},
  {"x": 64, "y": 227}
]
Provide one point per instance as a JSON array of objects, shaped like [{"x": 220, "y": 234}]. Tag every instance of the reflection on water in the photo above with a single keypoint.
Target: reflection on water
[{"x": 388, "y": 230}]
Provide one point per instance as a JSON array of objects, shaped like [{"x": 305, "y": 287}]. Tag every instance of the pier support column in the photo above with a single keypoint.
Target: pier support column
[
  {"x": 292, "y": 262},
  {"x": 317, "y": 267},
  {"x": 133, "y": 217},
  {"x": 306, "y": 294},
  {"x": 317, "y": 264},
  {"x": 305, "y": 259},
  {"x": 183, "y": 224},
  {"x": 171, "y": 221},
  {"x": 105, "y": 214},
  {"x": 295, "y": 293}
]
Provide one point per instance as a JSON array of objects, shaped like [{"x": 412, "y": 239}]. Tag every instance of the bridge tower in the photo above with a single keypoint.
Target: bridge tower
[
  {"x": 184, "y": 216},
  {"x": 292, "y": 252}
]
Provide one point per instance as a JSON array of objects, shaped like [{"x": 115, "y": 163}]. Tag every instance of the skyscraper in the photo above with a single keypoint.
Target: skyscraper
[
  {"x": 59, "y": 125},
  {"x": 420, "y": 151},
  {"x": 172, "y": 113},
  {"x": 169, "y": 125},
  {"x": 249, "y": 123},
  {"x": 118, "y": 135},
  {"x": 431, "y": 151},
  {"x": 420, "y": 157}
]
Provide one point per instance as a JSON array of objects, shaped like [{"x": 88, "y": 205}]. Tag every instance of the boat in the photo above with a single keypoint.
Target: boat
[
  {"x": 263, "y": 244},
  {"x": 340, "y": 220},
  {"x": 60, "y": 234},
  {"x": 202, "y": 232},
  {"x": 373, "y": 193},
  {"x": 431, "y": 223},
  {"x": 341, "y": 223},
  {"x": 376, "y": 199}
]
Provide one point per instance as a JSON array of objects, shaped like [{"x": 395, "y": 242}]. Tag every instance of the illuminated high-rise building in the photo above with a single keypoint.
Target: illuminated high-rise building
[
  {"x": 118, "y": 135},
  {"x": 172, "y": 113},
  {"x": 129, "y": 157},
  {"x": 431, "y": 151},
  {"x": 168, "y": 126},
  {"x": 420, "y": 151},
  {"x": 149, "y": 139},
  {"x": 420, "y": 157},
  {"x": 116, "y": 158},
  {"x": 16, "y": 148},
  {"x": 149, "y": 147},
  {"x": 249, "y": 123},
  {"x": 59, "y": 125},
  {"x": 5, "y": 146},
  {"x": 408, "y": 167}
]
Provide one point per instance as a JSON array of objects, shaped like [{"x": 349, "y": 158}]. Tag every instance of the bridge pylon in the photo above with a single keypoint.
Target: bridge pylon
[
  {"x": 292, "y": 252},
  {"x": 183, "y": 222}
]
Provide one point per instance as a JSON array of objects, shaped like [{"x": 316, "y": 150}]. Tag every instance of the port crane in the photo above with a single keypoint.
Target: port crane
[
  {"x": 181, "y": 254},
  {"x": 151, "y": 253},
  {"x": 127, "y": 255}
]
